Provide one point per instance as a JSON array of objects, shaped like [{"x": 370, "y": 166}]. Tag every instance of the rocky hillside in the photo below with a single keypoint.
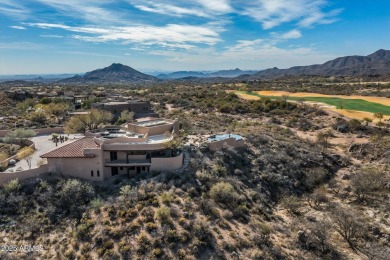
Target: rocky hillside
[{"x": 377, "y": 63}]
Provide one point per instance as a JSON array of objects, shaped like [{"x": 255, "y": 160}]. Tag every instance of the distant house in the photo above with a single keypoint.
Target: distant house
[
  {"x": 140, "y": 108},
  {"x": 216, "y": 142},
  {"x": 128, "y": 150}
]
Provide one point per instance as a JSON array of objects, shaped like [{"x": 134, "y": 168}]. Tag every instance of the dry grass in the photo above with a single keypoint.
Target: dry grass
[{"x": 379, "y": 100}]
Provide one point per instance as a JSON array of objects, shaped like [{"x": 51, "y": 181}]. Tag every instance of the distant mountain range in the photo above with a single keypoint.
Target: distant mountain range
[
  {"x": 377, "y": 63},
  {"x": 115, "y": 73},
  {"x": 222, "y": 73},
  {"x": 42, "y": 77}
]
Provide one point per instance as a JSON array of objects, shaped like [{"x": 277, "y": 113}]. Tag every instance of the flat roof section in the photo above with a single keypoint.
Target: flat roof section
[
  {"x": 152, "y": 123},
  {"x": 220, "y": 137}
]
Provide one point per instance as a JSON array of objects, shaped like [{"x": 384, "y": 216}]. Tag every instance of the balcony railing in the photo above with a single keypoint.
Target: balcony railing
[{"x": 127, "y": 162}]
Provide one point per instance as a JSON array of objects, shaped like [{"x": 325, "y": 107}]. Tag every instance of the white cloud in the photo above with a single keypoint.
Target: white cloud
[
  {"x": 13, "y": 9},
  {"x": 17, "y": 27},
  {"x": 293, "y": 34},
  {"x": 171, "y": 35},
  {"x": 216, "y": 6},
  {"x": 201, "y": 8},
  {"x": 168, "y": 9},
  {"x": 51, "y": 36},
  {"x": 276, "y": 12},
  {"x": 95, "y": 11},
  {"x": 257, "y": 54}
]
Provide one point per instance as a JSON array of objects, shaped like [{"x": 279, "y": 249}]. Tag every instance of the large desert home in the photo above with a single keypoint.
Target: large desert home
[{"x": 129, "y": 149}]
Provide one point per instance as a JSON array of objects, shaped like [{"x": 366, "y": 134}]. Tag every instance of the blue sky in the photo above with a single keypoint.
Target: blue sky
[{"x": 70, "y": 36}]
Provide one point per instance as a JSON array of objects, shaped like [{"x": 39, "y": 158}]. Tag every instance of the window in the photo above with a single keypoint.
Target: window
[
  {"x": 114, "y": 171},
  {"x": 113, "y": 156},
  {"x": 91, "y": 173},
  {"x": 121, "y": 168},
  {"x": 98, "y": 173},
  {"x": 137, "y": 153},
  {"x": 132, "y": 168}
]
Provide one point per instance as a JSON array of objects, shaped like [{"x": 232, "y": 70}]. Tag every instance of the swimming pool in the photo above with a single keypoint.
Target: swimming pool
[{"x": 221, "y": 137}]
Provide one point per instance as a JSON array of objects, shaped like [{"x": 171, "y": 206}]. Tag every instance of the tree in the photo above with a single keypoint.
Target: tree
[
  {"x": 38, "y": 117},
  {"x": 26, "y": 154},
  {"x": 354, "y": 124},
  {"x": 379, "y": 116},
  {"x": 323, "y": 139},
  {"x": 126, "y": 116},
  {"x": 83, "y": 123},
  {"x": 57, "y": 109},
  {"x": 26, "y": 104},
  {"x": 367, "y": 120},
  {"x": 367, "y": 181},
  {"x": 20, "y": 134},
  {"x": 73, "y": 195},
  {"x": 347, "y": 224},
  {"x": 321, "y": 231}
]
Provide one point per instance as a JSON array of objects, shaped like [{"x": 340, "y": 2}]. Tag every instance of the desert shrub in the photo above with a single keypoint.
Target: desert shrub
[
  {"x": 224, "y": 193},
  {"x": 209, "y": 208},
  {"x": 134, "y": 227},
  {"x": 150, "y": 226},
  {"x": 320, "y": 233},
  {"x": 127, "y": 192},
  {"x": 157, "y": 252},
  {"x": 318, "y": 197},
  {"x": 241, "y": 212},
  {"x": 167, "y": 198},
  {"x": 163, "y": 214},
  {"x": 73, "y": 195},
  {"x": 143, "y": 243},
  {"x": 12, "y": 186},
  {"x": 148, "y": 214},
  {"x": 171, "y": 236},
  {"x": 315, "y": 176},
  {"x": 201, "y": 230},
  {"x": 292, "y": 204},
  {"x": 83, "y": 231},
  {"x": 96, "y": 204}
]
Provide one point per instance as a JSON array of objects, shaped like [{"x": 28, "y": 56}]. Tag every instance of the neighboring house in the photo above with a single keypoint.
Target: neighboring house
[
  {"x": 129, "y": 149},
  {"x": 216, "y": 142},
  {"x": 140, "y": 108}
]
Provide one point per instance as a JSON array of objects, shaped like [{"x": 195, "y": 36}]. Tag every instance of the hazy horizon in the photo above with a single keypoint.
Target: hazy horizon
[{"x": 68, "y": 37}]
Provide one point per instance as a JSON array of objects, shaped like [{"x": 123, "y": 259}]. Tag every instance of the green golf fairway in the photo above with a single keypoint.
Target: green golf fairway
[{"x": 348, "y": 104}]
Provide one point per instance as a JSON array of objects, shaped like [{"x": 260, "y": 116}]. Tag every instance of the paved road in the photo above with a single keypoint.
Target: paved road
[{"x": 43, "y": 144}]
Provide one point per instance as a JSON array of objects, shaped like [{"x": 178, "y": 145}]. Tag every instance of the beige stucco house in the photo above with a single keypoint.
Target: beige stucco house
[
  {"x": 129, "y": 149},
  {"x": 217, "y": 142}
]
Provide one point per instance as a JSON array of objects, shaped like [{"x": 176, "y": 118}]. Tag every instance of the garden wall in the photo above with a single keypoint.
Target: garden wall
[
  {"x": 41, "y": 131},
  {"x": 23, "y": 175}
]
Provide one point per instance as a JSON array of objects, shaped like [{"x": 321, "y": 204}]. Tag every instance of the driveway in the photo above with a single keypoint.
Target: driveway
[{"x": 43, "y": 144}]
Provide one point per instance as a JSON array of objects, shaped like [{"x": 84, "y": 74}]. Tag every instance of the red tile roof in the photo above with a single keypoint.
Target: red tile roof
[{"x": 73, "y": 150}]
